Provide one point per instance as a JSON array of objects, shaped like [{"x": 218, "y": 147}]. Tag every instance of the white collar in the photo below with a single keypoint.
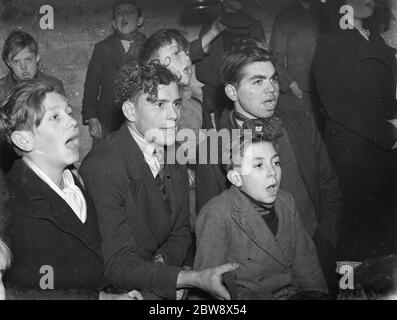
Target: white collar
[{"x": 70, "y": 192}]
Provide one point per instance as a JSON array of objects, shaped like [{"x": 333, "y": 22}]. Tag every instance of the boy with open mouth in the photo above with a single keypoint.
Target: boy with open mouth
[{"x": 257, "y": 225}]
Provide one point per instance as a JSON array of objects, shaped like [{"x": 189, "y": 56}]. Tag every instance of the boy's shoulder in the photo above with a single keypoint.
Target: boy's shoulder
[{"x": 221, "y": 204}]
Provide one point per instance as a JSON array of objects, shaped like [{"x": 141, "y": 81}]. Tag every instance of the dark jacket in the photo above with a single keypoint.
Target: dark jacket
[
  {"x": 42, "y": 230},
  {"x": 8, "y": 82},
  {"x": 99, "y": 99},
  {"x": 229, "y": 229},
  {"x": 133, "y": 220},
  {"x": 293, "y": 42},
  {"x": 355, "y": 82},
  {"x": 313, "y": 162},
  {"x": 207, "y": 69}
]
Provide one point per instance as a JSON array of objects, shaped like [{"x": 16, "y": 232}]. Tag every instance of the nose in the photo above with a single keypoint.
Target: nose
[
  {"x": 173, "y": 112},
  {"x": 23, "y": 65},
  {"x": 270, "y": 86},
  {"x": 186, "y": 57},
  {"x": 271, "y": 172},
  {"x": 72, "y": 122}
]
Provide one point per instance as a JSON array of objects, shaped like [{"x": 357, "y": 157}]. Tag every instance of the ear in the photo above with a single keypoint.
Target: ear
[
  {"x": 23, "y": 140},
  {"x": 231, "y": 92},
  {"x": 141, "y": 20},
  {"x": 129, "y": 111},
  {"x": 235, "y": 178},
  {"x": 38, "y": 58}
]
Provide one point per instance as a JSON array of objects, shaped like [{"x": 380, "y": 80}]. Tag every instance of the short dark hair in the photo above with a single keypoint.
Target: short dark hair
[
  {"x": 23, "y": 109},
  {"x": 16, "y": 42},
  {"x": 162, "y": 38},
  {"x": 242, "y": 53},
  {"x": 136, "y": 78},
  {"x": 131, "y": 2},
  {"x": 239, "y": 144}
]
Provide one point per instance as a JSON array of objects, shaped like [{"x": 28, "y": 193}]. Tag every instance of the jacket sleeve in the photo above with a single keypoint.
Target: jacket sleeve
[
  {"x": 278, "y": 44},
  {"x": 305, "y": 265},
  {"x": 331, "y": 199},
  {"x": 174, "y": 250},
  {"x": 196, "y": 50},
  {"x": 92, "y": 85},
  {"x": 124, "y": 267},
  {"x": 336, "y": 87},
  {"x": 212, "y": 239}
]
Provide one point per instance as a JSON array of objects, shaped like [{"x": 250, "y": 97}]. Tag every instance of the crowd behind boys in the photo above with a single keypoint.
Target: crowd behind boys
[{"x": 308, "y": 174}]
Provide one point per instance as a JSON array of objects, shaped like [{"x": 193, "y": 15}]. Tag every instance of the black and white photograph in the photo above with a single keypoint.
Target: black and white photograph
[{"x": 198, "y": 151}]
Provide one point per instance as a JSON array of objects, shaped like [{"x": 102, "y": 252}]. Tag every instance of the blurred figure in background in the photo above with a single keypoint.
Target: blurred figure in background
[
  {"x": 239, "y": 25},
  {"x": 293, "y": 41},
  {"x": 354, "y": 68}
]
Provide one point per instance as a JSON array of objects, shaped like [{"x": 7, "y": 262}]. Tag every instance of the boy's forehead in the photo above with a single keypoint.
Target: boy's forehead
[
  {"x": 258, "y": 68},
  {"x": 54, "y": 100},
  {"x": 257, "y": 150},
  {"x": 25, "y": 52}
]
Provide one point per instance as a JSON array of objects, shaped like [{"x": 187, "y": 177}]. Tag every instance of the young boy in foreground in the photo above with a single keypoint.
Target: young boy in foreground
[{"x": 258, "y": 226}]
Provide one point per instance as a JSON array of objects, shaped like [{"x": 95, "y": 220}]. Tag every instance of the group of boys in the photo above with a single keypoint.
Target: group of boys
[{"x": 283, "y": 241}]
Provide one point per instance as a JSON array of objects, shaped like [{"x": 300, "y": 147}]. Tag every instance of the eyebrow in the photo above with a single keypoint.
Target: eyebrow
[{"x": 259, "y": 76}]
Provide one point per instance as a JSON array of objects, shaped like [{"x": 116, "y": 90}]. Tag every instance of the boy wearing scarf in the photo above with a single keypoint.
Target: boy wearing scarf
[
  {"x": 99, "y": 110},
  {"x": 257, "y": 225}
]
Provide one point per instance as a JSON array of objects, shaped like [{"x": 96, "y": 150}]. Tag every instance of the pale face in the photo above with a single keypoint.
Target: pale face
[
  {"x": 362, "y": 8},
  {"x": 55, "y": 142},
  {"x": 178, "y": 62},
  {"x": 257, "y": 93},
  {"x": 126, "y": 18},
  {"x": 24, "y": 64},
  {"x": 158, "y": 122},
  {"x": 260, "y": 172}
]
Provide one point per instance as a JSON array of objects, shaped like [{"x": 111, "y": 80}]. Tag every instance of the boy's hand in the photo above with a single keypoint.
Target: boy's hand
[
  {"x": 217, "y": 27},
  {"x": 210, "y": 280},
  {"x": 296, "y": 90},
  {"x": 95, "y": 128}
]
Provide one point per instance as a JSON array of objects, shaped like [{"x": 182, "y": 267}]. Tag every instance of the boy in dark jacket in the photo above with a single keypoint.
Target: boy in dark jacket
[
  {"x": 51, "y": 227},
  {"x": 99, "y": 110}
]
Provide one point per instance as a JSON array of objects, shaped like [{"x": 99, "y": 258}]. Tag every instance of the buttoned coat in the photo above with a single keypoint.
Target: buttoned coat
[{"x": 229, "y": 229}]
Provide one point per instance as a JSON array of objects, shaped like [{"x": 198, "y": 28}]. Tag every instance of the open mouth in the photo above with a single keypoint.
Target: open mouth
[
  {"x": 73, "y": 142},
  {"x": 272, "y": 188},
  {"x": 124, "y": 23},
  {"x": 270, "y": 102}
]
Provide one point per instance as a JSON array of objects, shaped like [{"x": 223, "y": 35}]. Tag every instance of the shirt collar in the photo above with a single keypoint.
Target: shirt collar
[{"x": 148, "y": 148}]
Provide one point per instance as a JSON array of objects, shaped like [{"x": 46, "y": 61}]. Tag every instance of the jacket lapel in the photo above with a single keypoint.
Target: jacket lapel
[
  {"x": 45, "y": 203},
  {"x": 245, "y": 215},
  {"x": 143, "y": 184}
]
